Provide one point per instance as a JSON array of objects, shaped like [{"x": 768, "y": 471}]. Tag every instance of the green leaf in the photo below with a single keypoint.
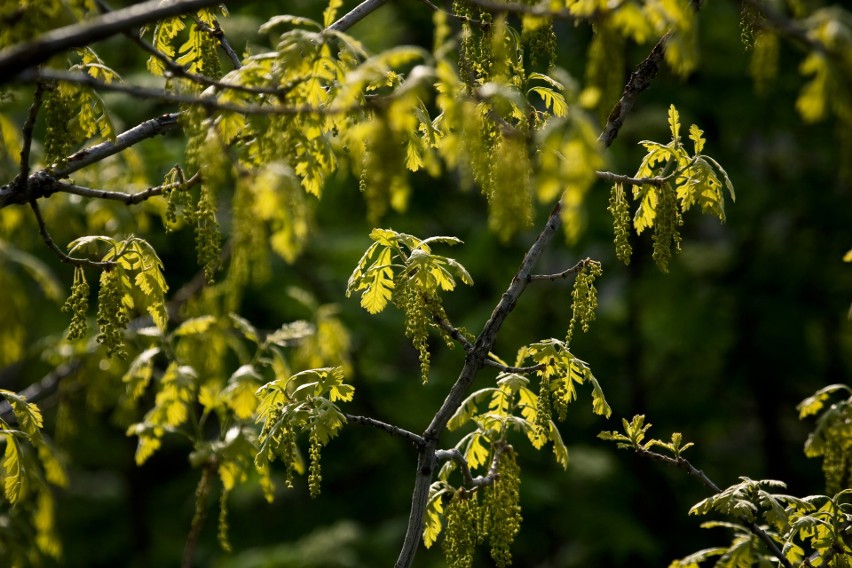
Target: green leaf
[
  {"x": 195, "y": 326},
  {"x": 434, "y": 511}
]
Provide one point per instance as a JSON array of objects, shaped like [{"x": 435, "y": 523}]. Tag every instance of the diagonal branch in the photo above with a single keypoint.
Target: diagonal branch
[
  {"x": 684, "y": 464},
  {"x": 638, "y": 82},
  {"x": 42, "y": 229},
  {"x": 389, "y": 428},
  {"x": 357, "y": 14},
  {"x": 126, "y": 198},
  {"x": 28, "y": 134},
  {"x": 560, "y": 275},
  {"x": 206, "y": 101},
  {"x": 18, "y": 58}
]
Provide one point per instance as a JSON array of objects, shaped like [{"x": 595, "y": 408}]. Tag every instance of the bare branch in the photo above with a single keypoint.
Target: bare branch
[
  {"x": 19, "y": 58},
  {"x": 452, "y": 331},
  {"x": 638, "y": 82},
  {"x": 28, "y": 134},
  {"x": 217, "y": 33},
  {"x": 126, "y": 198},
  {"x": 42, "y": 229},
  {"x": 389, "y": 428},
  {"x": 560, "y": 275},
  {"x": 208, "y": 102},
  {"x": 357, "y": 14},
  {"x": 128, "y": 138},
  {"x": 469, "y": 481},
  {"x": 610, "y": 177}
]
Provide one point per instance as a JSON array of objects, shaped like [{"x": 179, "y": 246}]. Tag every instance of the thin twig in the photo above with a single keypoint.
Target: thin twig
[
  {"x": 21, "y": 57},
  {"x": 418, "y": 441},
  {"x": 42, "y": 229},
  {"x": 27, "y": 131},
  {"x": 207, "y": 102},
  {"x": 639, "y": 80},
  {"x": 610, "y": 177},
  {"x": 452, "y": 331},
  {"x": 126, "y": 198},
  {"x": 469, "y": 481},
  {"x": 217, "y": 33},
  {"x": 355, "y": 15},
  {"x": 560, "y": 275}
]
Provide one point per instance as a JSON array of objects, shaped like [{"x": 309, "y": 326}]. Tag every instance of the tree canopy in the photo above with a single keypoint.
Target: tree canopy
[{"x": 338, "y": 284}]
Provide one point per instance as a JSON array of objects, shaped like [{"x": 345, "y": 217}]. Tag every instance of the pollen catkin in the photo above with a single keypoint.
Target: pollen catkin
[
  {"x": 414, "y": 304},
  {"x": 77, "y": 304},
  {"x": 315, "y": 471},
  {"x": 666, "y": 228},
  {"x": 208, "y": 238},
  {"x": 506, "y": 511},
  {"x": 620, "y": 211},
  {"x": 584, "y": 298},
  {"x": 460, "y": 535},
  {"x": 113, "y": 314}
]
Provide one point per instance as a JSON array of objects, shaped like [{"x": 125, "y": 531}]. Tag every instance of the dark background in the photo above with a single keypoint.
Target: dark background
[{"x": 750, "y": 320}]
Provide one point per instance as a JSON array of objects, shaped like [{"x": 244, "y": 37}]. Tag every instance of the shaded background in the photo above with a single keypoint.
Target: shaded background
[{"x": 750, "y": 320}]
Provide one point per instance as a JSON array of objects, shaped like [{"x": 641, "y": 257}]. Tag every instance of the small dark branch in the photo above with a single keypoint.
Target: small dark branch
[
  {"x": 685, "y": 465},
  {"x": 357, "y": 14},
  {"x": 517, "y": 370},
  {"x": 459, "y": 17},
  {"x": 418, "y": 441},
  {"x": 128, "y": 138},
  {"x": 207, "y": 102},
  {"x": 541, "y": 10},
  {"x": 610, "y": 177},
  {"x": 638, "y": 82},
  {"x": 470, "y": 482},
  {"x": 28, "y": 135},
  {"x": 217, "y": 33},
  {"x": 40, "y": 390},
  {"x": 560, "y": 275},
  {"x": 453, "y": 332},
  {"x": 201, "y": 495},
  {"x": 42, "y": 229},
  {"x": 21, "y": 57},
  {"x": 126, "y": 198},
  {"x": 178, "y": 70}
]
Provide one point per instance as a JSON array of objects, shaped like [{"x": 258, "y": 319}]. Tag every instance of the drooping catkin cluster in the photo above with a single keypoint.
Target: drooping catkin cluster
[
  {"x": 504, "y": 499},
  {"x": 475, "y": 47},
  {"x": 315, "y": 469},
  {"x": 78, "y": 305},
  {"x": 584, "y": 298},
  {"x": 460, "y": 537},
  {"x": 57, "y": 109},
  {"x": 113, "y": 313},
  {"x": 543, "y": 408},
  {"x": 208, "y": 237},
  {"x": 418, "y": 307},
  {"x": 837, "y": 468},
  {"x": 539, "y": 38},
  {"x": 666, "y": 227},
  {"x": 620, "y": 211}
]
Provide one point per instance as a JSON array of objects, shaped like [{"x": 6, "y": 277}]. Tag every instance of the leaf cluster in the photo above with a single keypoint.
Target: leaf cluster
[{"x": 402, "y": 269}]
